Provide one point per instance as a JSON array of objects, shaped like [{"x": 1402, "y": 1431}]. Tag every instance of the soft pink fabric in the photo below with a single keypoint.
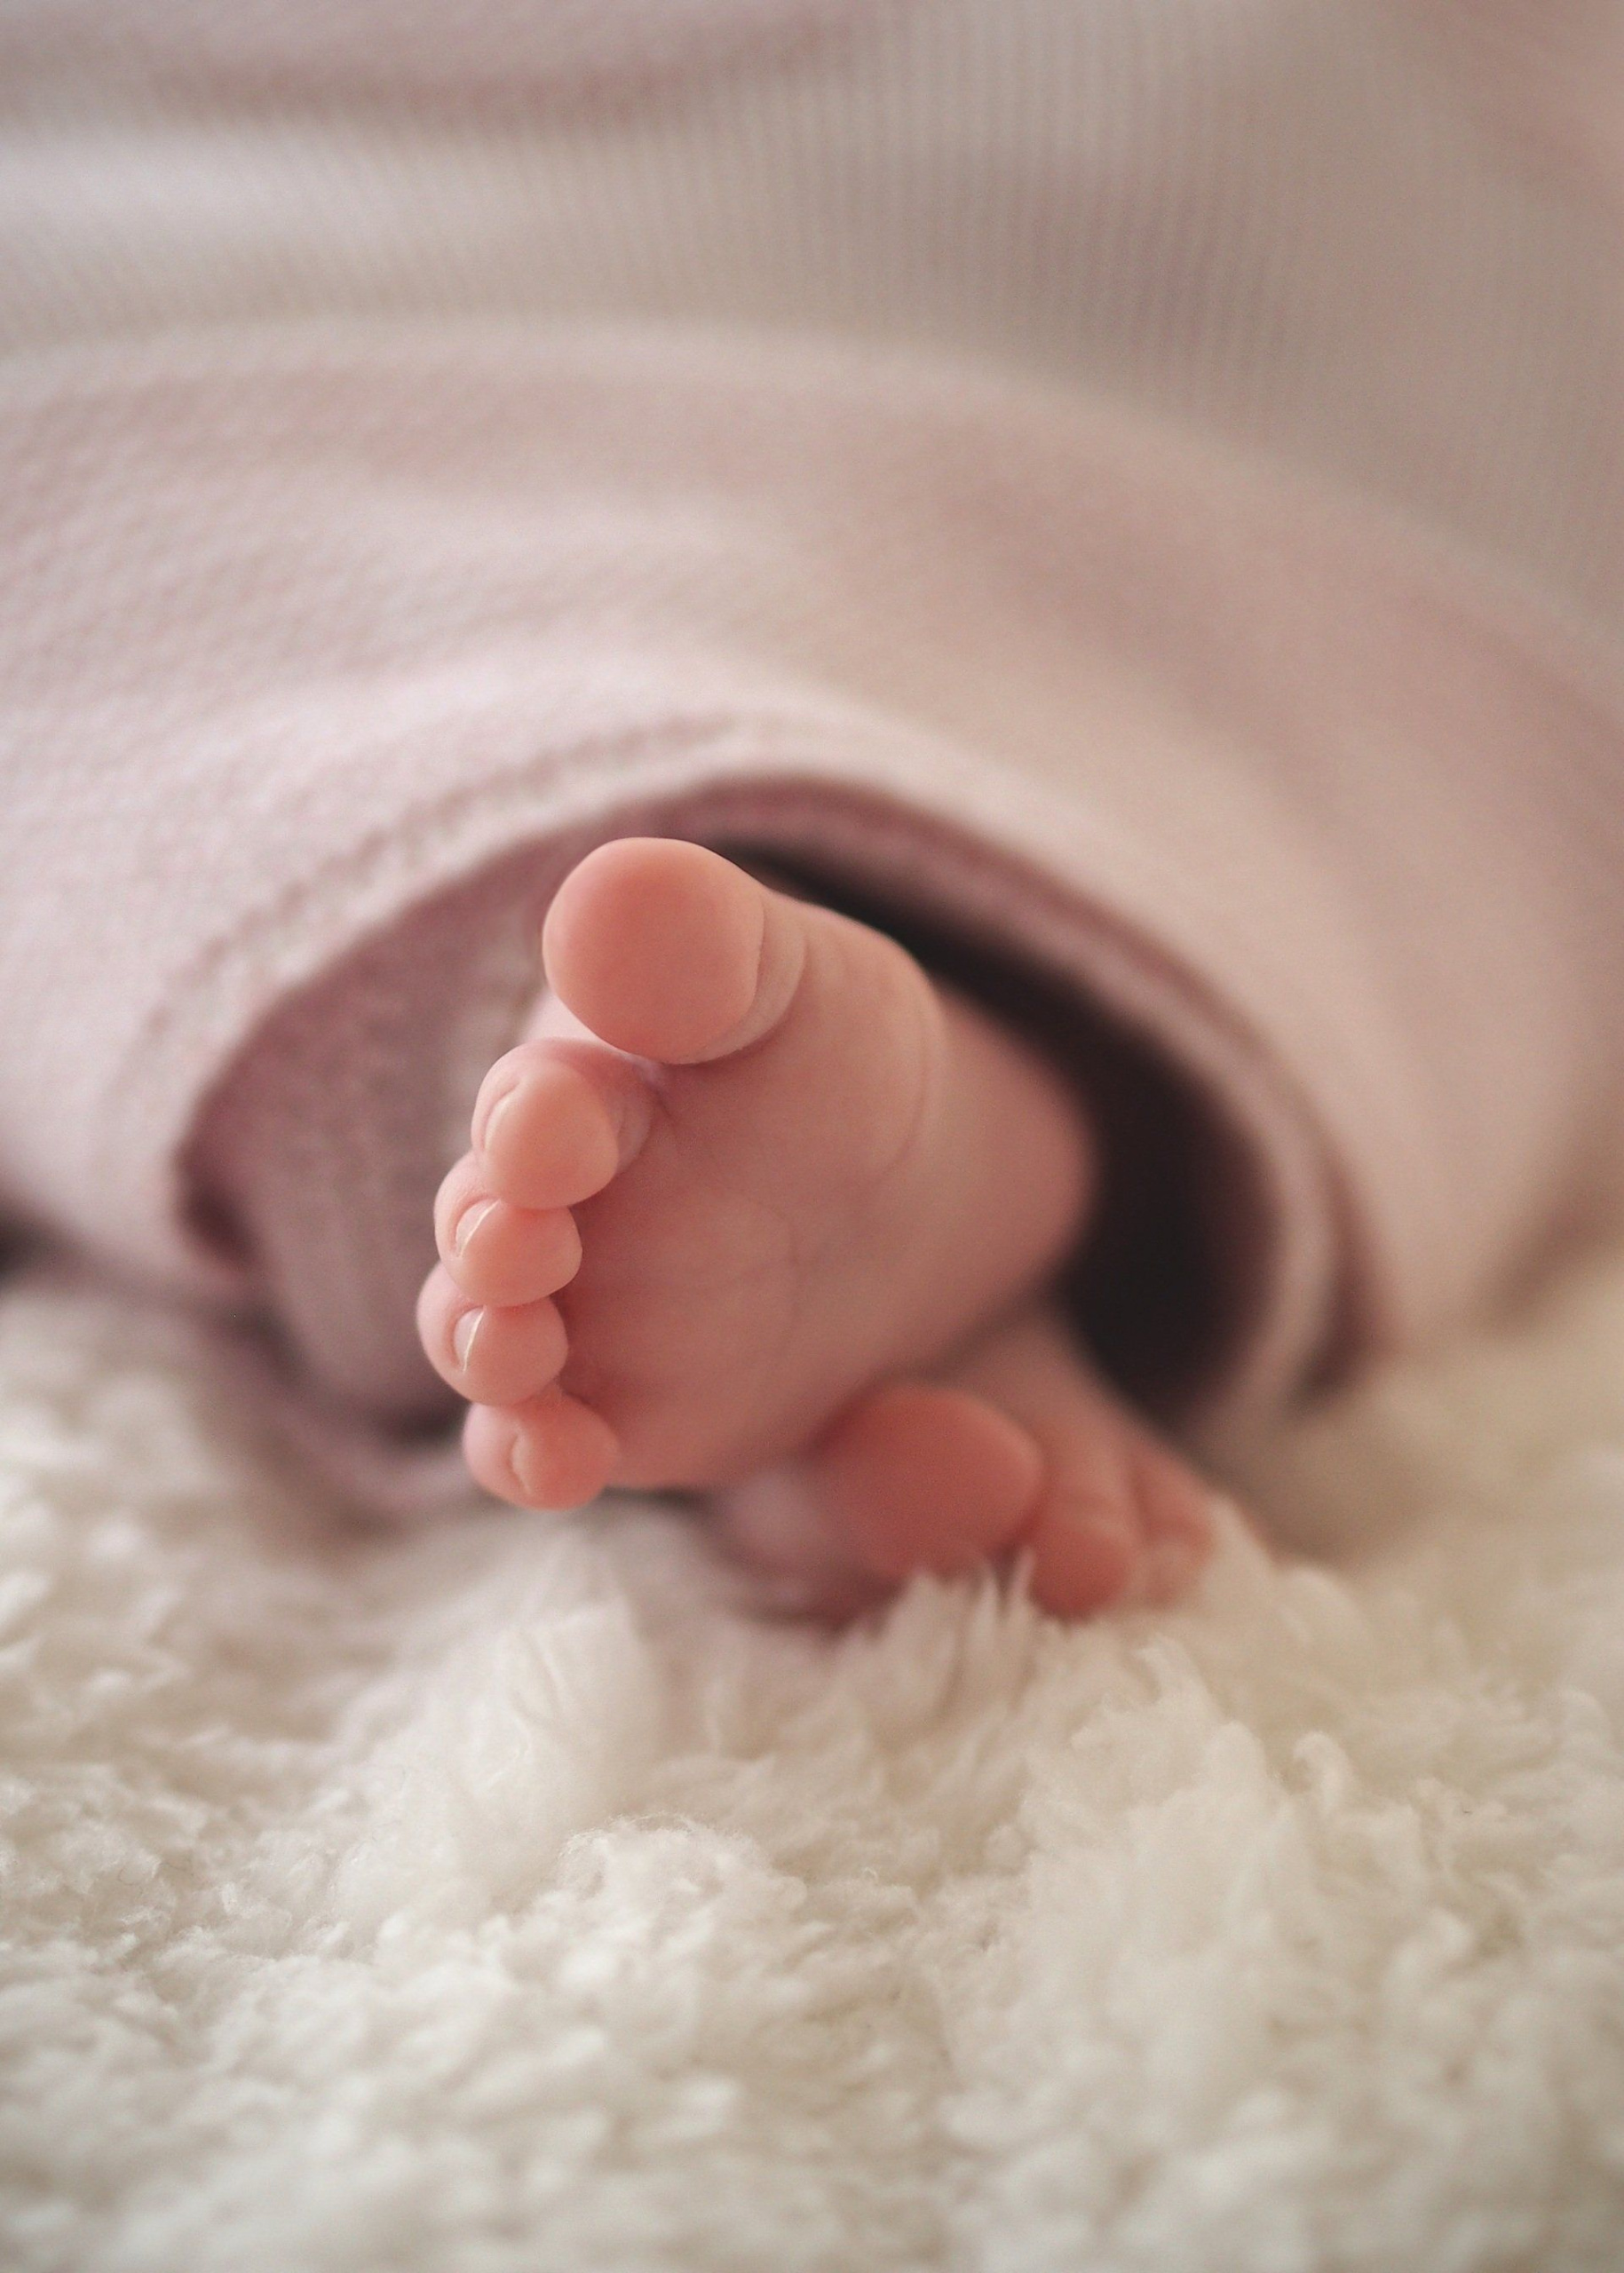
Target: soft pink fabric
[{"x": 1189, "y": 564}]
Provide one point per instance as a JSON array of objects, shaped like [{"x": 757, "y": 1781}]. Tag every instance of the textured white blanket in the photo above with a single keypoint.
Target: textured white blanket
[{"x": 506, "y": 1898}]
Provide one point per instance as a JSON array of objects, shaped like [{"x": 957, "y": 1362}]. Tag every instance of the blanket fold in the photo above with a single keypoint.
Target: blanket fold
[{"x": 359, "y": 623}]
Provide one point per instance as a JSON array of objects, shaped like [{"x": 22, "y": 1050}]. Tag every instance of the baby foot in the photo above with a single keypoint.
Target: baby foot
[
  {"x": 756, "y": 1161},
  {"x": 1017, "y": 1447}
]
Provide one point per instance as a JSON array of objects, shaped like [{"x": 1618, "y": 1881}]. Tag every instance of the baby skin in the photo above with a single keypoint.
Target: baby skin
[{"x": 765, "y": 1212}]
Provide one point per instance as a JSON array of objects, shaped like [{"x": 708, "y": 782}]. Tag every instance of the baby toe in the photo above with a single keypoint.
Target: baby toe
[
  {"x": 1179, "y": 1528},
  {"x": 551, "y": 1451},
  {"x": 497, "y": 1253},
  {"x": 553, "y": 1124},
  {"x": 488, "y": 1353},
  {"x": 1087, "y": 1552},
  {"x": 1127, "y": 1527}
]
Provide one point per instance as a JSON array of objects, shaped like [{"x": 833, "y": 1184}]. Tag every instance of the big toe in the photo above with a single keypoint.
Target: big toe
[
  {"x": 666, "y": 951},
  {"x": 919, "y": 1477}
]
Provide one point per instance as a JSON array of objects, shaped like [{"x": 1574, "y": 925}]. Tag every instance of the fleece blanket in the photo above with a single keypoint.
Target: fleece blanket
[{"x": 514, "y": 1897}]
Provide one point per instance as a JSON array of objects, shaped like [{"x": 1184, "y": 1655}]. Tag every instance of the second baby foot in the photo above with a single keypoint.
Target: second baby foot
[
  {"x": 756, "y": 1161},
  {"x": 1016, "y": 1447}
]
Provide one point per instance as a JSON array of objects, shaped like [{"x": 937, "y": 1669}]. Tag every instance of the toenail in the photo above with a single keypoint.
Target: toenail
[
  {"x": 463, "y": 1335},
  {"x": 493, "y": 1114},
  {"x": 518, "y": 1466},
  {"x": 469, "y": 1222}
]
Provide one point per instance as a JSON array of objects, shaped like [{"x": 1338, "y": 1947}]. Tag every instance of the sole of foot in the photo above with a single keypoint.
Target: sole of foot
[{"x": 755, "y": 1162}]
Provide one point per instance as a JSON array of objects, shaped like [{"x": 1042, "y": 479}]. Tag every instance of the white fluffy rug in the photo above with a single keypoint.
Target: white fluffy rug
[{"x": 506, "y": 1898}]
